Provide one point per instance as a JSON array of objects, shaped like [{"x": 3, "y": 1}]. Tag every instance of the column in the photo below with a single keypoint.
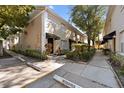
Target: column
[{"x": 44, "y": 20}]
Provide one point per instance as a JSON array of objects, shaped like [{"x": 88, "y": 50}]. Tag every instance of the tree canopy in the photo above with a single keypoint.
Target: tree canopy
[
  {"x": 13, "y": 19},
  {"x": 88, "y": 18}
]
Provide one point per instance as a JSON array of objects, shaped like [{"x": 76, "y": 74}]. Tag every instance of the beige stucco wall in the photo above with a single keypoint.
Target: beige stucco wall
[
  {"x": 38, "y": 27},
  {"x": 57, "y": 30},
  {"x": 32, "y": 37},
  {"x": 64, "y": 31},
  {"x": 115, "y": 22}
]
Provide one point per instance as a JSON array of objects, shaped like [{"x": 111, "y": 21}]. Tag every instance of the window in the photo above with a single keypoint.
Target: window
[
  {"x": 122, "y": 47},
  {"x": 64, "y": 44},
  {"x": 53, "y": 24},
  {"x": 63, "y": 28},
  {"x": 78, "y": 37},
  {"x": 122, "y": 42}
]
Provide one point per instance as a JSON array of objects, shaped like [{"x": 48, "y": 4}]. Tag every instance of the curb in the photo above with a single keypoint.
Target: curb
[{"x": 24, "y": 86}]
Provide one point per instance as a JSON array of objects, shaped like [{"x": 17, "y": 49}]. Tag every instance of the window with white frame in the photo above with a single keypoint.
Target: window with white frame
[
  {"x": 64, "y": 44},
  {"x": 53, "y": 23},
  {"x": 63, "y": 28}
]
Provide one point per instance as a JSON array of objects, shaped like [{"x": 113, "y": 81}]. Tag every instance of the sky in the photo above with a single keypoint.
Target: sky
[{"x": 62, "y": 10}]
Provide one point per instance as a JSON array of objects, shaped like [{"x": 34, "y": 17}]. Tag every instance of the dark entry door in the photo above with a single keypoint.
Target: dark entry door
[
  {"x": 50, "y": 43},
  {"x": 70, "y": 44}
]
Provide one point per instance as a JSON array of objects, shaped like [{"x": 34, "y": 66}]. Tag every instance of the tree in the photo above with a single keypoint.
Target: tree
[
  {"x": 98, "y": 22},
  {"x": 13, "y": 19},
  {"x": 96, "y": 31},
  {"x": 87, "y": 19}
]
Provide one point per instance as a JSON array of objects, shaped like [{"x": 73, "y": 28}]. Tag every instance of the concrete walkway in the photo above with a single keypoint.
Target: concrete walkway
[
  {"x": 96, "y": 74},
  {"x": 100, "y": 71},
  {"x": 14, "y": 73}
]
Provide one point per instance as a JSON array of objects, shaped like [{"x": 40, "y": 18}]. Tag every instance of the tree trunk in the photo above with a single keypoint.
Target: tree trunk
[
  {"x": 89, "y": 38},
  {"x": 1, "y": 48},
  {"x": 93, "y": 41},
  {"x": 98, "y": 42},
  {"x": 88, "y": 42}
]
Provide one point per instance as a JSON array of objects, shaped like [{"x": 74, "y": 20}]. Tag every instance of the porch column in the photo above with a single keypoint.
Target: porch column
[{"x": 44, "y": 20}]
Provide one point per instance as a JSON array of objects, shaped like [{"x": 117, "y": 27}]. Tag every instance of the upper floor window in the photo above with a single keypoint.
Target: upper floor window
[
  {"x": 73, "y": 34},
  {"x": 53, "y": 24},
  {"x": 78, "y": 36},
  {"x": 63, "y": 28}
]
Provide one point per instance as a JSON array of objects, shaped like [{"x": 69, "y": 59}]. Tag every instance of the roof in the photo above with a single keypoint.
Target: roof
[
  {"x": 45, "y": 8},
  {"x": 67, "y": 23}
]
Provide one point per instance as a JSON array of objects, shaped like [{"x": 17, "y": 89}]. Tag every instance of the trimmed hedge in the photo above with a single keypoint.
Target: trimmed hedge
[
  {"x": 81, "y": 55},
  {"x": 116, "y": 59},
  {"x": 117, "y": 62},
  {"x": 31, "y": 53},
  {"x": 64, "y": 52}
]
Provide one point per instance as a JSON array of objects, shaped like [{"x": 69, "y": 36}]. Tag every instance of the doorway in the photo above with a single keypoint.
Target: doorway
[
  {"x": 70, "y": 44},
  {"x": 50, "y": 44}
]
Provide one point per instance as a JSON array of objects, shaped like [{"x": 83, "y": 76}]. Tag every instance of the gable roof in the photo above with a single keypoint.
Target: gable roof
[{"x": 41, "y": 9}]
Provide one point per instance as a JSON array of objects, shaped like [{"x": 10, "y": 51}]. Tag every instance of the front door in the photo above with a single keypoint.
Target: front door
[{"x": 70, "y": 44}]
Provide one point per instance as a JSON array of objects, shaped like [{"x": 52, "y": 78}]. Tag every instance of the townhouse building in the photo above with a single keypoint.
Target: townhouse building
[
  {"x": 114, "y": 29},
  {"x": 48, "y": 30}
]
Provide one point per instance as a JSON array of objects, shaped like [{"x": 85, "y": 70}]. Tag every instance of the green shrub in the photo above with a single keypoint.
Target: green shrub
[
  {"x": 73, "y": 55},
  {"x": 64, "y": 51},
  {"x": 87, "y": 55},
  {"x": 79, "y": 47},
  {"x": 121, "y": 71},
  {"x": 117, "y": 59},
  {"x": 31, "y": 53},
  {"x": 81, "y": 55},
  {"x": 44, "y": 56},
  {"x": 70, "y": 55}
]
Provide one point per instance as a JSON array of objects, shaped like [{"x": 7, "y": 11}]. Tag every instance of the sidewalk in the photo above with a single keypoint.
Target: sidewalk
[
  {"x": 96, "y": 74},
  {"x": 14, "y": 73}
]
